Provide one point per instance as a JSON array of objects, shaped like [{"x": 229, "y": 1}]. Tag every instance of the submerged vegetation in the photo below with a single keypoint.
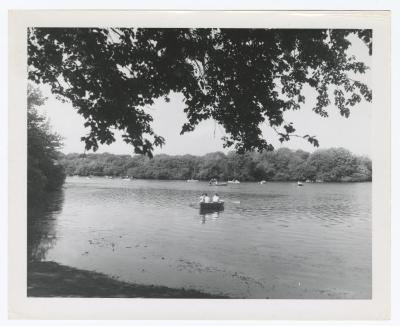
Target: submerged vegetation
[{"x": 329, "y": 165}]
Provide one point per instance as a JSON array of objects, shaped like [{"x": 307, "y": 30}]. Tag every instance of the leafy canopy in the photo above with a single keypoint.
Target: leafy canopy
[
  {"x": 44, "y": 174},
  {"x": 241, "y": 78}
]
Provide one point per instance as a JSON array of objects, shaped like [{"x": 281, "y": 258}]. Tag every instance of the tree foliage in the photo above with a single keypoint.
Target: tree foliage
[
  {"x": 241, "y": 78},
  {"x": 335, "y": 164},
  {"x": 44, "y": 171}
]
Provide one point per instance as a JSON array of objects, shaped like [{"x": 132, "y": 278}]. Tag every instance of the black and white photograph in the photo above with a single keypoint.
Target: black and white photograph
[{"x": 200, "y": 162}]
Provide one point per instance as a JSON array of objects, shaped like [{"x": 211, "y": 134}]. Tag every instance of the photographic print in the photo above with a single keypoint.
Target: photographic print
[{"x": 200, "y": 162}]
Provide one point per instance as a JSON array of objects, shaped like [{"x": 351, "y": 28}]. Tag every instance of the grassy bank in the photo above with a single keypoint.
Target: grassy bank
[{"x": 49, "y": 279}]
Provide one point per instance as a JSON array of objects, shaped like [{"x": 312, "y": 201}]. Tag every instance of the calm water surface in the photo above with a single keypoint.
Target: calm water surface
[{"x": 275, "y": 240}]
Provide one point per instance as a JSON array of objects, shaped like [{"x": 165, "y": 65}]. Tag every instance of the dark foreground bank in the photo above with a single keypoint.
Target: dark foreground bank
[{"x": 49, "y": 279}]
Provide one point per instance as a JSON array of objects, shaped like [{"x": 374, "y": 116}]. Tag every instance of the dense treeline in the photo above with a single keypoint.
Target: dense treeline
[
  {"x": 335, "y": 164},
  {"x": 44, "y": 171}
]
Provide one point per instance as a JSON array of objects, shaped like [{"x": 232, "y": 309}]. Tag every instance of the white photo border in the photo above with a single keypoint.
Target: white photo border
[{"x": 22, "y": 307}]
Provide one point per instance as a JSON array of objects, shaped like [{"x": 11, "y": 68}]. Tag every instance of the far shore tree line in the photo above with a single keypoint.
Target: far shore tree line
[{"x": 327, "y": 165}]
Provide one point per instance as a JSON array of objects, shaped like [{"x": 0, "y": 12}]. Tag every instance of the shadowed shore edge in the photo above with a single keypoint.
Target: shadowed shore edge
[{"x": 50, "y": 279}]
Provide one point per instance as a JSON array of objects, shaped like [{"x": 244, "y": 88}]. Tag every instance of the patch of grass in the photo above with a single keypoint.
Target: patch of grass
[{"x": 50, "y": 279}]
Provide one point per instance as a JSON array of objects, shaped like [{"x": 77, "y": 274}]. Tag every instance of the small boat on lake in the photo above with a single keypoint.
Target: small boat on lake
[
  {"x": 215, "y": 182},
  {"x": 262, "y": 182},
  {"x": 218, "y": 184},
  {"x": 212, "y": 207},
  {"x": 300, "y": 184},
  {"x": 234, "y": 181},
  {"x": 192, "y": 180}
]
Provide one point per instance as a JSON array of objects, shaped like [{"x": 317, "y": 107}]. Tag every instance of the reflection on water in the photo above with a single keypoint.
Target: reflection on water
[
  {"x": 42, "y": 225},
  {"x": 208, "y": 216},
  {"x": 272, "y": 241}
]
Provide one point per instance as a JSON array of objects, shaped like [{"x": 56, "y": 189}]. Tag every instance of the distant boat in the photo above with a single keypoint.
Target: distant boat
[
  {"x": 216, "y": 183},
  {"x": 300, "y": 184},
  {"x": 319, "y": 181},
  {"x": 262, "y": 182},
  {"x": 192, "y": 179},
  {"x": 234, "y": 181}
]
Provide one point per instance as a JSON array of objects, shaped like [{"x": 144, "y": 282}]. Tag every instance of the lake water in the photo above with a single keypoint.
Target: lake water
[{"x": 275, "y": 240}]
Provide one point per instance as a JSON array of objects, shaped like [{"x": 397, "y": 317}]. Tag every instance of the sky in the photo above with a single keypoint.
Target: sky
[{"x": 352, "y": 133}]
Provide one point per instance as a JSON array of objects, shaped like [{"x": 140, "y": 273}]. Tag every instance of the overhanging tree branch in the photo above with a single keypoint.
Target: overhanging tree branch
[{"x": 243, "y": 66}]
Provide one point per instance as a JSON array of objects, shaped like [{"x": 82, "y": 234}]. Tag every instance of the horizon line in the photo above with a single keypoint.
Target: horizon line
[{"x": 218, "y": 151}]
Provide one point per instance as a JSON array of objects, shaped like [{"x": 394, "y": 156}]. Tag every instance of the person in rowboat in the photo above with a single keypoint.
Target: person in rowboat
[
  {"x": 215, "y": 198},
  {"x": 202, "y": 197},
  {"x": 206, "y": 199}
]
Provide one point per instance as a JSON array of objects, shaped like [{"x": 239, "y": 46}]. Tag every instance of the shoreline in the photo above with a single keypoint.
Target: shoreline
[
  {"x": 207, "y": 181},
  {"x": 50, "y": 279}
]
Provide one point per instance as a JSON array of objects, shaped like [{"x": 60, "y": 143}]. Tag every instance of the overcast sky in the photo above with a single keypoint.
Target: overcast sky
[{"x": 352, "y": 133}]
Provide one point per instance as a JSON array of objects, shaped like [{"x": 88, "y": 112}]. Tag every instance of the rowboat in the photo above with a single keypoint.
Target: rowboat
[
  {"x": 212, "y": 207},
  {"x": 218, "y": 184}
]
